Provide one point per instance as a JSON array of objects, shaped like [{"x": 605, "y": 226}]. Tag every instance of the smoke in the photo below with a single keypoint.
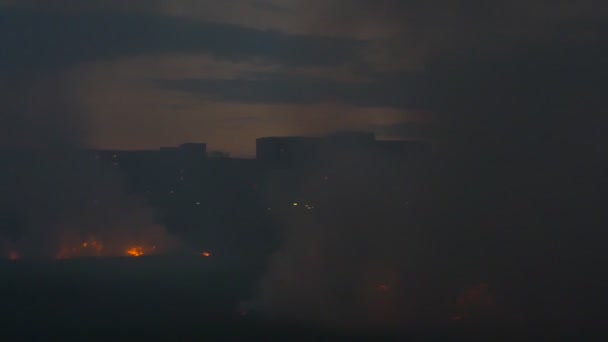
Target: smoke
[
  {"x": 56, "y": 198},
  {"x": 352, "y": 256},
  {"x": 513, "y": 198}
]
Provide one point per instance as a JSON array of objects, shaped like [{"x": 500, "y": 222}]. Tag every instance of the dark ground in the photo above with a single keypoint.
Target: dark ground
[{"x": 162, "y": 297}]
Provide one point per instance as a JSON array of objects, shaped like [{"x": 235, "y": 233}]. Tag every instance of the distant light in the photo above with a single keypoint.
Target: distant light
[
  {"x": 198, "y": 203},
  {"x": 268, "y": 209},
  {"x": 206, "y": 254},
  {"x": 295, "y": 204},
  {"x": 85, "y": 244}
]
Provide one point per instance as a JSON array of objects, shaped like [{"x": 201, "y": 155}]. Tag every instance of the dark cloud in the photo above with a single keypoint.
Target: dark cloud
[
  {"x": 396, "y": 91},
  {"x": 445, "y": 25},
  {"x": 40, "y": 39},
  {"x": 76, "y": 6}
]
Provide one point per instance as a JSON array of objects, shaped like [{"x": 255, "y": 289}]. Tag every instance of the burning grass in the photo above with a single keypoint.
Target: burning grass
[{"x": 96, "y": 248}]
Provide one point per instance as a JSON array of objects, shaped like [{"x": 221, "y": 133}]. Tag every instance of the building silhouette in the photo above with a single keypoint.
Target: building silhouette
[
  {"x": 235, "y": 204},
  {"x": 299, "y": 150}
]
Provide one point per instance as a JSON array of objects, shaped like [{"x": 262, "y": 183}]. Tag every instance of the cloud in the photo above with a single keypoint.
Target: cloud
[
  {"x": 275, "y": 88},
  {"x": 35, "y": 39},
  {"x": 413, "y": 55},
  {"x": 75, "y": 6},
  {"x": 406, "y": 34}
]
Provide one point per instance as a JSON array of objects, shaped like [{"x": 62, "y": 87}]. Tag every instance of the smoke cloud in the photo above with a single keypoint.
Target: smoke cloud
[
  {"x": 57, "y": 200},
  {"x": 511, "y": 204},
  {"x": 353, "y": 256}
]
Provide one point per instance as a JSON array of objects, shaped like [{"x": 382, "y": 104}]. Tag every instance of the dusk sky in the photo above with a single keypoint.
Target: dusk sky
[{"x": 150, "y": 73}]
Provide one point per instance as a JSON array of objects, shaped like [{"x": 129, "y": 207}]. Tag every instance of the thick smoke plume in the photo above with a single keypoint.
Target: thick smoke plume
[
  {"x": 354, "y": 256},
  {"x": 512, "y": 205},
  {"x": 57, "y": 200}
]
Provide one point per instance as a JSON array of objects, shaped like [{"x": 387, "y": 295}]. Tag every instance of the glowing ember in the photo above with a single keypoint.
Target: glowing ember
[
  {"x": 206, "y": 254},
  {"x": 95, "y": 248},
  {"x": 135, "y": 251},
  {"x": 14, "y": 256}
]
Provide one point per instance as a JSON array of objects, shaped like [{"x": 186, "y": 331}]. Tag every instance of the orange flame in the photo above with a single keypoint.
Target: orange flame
[{"x": 135, "y": 251}]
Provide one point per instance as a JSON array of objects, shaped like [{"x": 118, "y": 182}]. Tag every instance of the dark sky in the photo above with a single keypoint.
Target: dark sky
[{"x": 147, "y": 73}]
